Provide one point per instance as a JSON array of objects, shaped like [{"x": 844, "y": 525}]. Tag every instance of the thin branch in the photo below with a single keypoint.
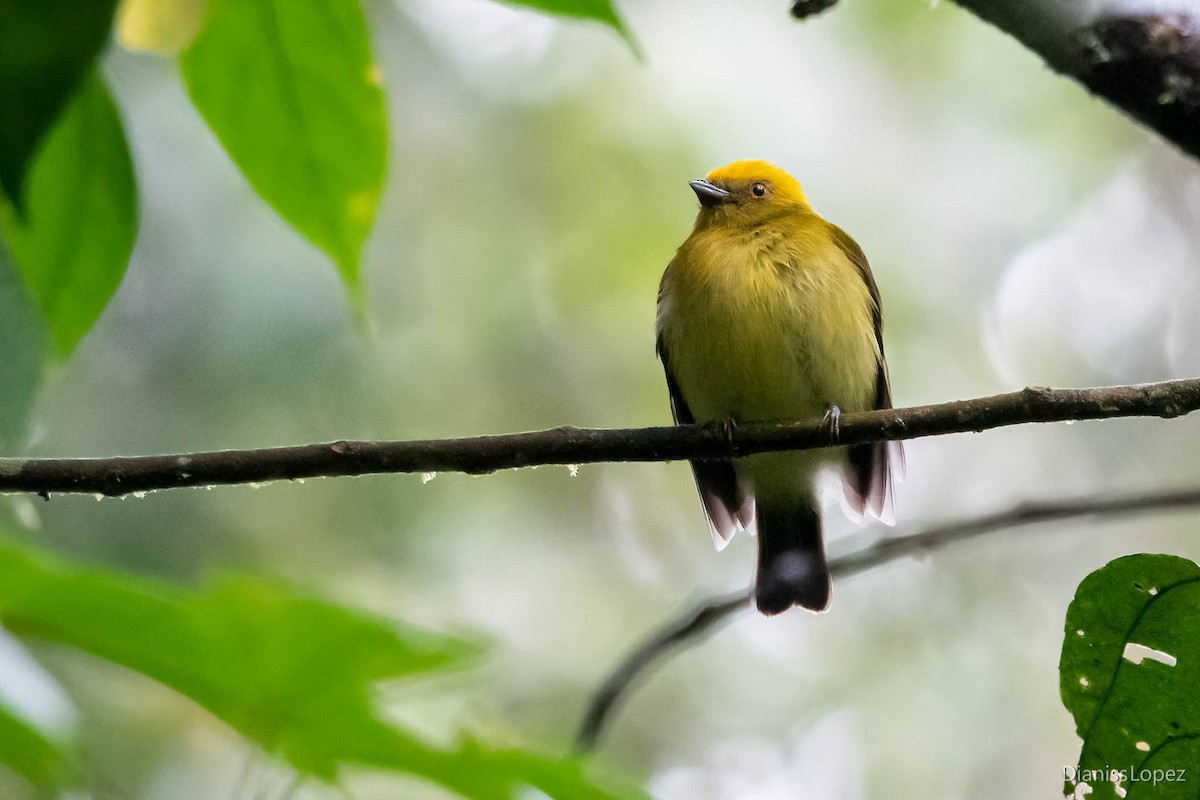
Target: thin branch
[
  {"x": 689, "y": 627},
  {"x": 483, "y": 454}
]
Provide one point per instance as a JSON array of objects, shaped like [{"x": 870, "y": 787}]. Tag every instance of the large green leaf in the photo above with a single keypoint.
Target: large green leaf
[
  {"x": 73, "y": 242},
  {"x": 289, "y": 88},
  {"x": 1129, "y": 674},
  {"x": 282, "y": 668},
  {"x": 46, "y": 48},
  {"x": 292, "y": 672},
  {"x": 601, "y": 10},
  {"x": 30, "y": 753}
]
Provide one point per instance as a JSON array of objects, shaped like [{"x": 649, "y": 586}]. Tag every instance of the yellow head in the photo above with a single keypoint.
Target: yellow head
[{"x": 747, "y": 193}]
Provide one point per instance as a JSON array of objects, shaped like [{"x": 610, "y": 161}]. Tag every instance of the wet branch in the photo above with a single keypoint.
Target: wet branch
[
  {"x": 689, "y": 627},
  {"x": 482, "y": 454}
]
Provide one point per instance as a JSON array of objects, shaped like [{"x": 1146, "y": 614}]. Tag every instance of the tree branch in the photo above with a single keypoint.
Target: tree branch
[
  {"x": 1145, "y": 62},
  {"x": 688, "y": 627},
  {"x": 483, "y": 454}
]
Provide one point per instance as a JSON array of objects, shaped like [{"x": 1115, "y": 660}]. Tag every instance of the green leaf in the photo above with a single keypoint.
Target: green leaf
[
  {"x": 282, "y": 668},
  {"x": 46, "y": 49},
  {"x": 24, "y": 348},
  {"x": 600, "y": 10},
  {"x": 554, "y": 776},
  {"x": 290, "y": 90},
  {"x": 29, "y": 753},
  {"x": 292, "y": 672},
  {"x": 1128, "y": 674},
  {"x": 73, "y": 242}
]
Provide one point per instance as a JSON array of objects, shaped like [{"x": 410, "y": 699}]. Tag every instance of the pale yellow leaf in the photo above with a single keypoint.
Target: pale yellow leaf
[{"x": 165, "y": 27}]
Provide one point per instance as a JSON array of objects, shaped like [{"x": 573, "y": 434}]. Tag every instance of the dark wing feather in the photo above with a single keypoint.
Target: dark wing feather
[
  {"x": 868, "y": 480},
  {"x": 726, "y": 506}
]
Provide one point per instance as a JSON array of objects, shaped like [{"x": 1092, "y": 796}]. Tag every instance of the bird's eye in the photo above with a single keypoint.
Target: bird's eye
[{"x": 758, "y": 189}]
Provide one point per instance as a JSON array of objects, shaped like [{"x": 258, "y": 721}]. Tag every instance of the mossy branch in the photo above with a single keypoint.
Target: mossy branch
[{"x": 1144, "y": 58}]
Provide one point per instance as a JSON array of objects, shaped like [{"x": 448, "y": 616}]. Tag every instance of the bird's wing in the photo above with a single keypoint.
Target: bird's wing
[
  {"x": 728, "y": 509},
  {"x": 868, "y": 481}
]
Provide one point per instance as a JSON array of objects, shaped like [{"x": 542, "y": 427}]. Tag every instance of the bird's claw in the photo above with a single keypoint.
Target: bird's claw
[
  {"x": 833, "y": 420},
  {"x": 728, "y": 429}
]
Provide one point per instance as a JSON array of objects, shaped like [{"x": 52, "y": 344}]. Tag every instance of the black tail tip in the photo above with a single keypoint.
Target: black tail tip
[{"x": 794, "y": 578}]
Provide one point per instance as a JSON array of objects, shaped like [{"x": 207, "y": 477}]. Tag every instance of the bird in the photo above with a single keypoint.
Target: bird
[{"x": 768, "y": 311}]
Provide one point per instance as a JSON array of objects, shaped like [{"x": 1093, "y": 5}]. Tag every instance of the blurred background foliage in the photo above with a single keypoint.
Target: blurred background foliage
[{"x": 1021, "y": 233}]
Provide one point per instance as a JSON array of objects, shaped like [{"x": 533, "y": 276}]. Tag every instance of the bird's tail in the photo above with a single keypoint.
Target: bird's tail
[{"x": 791, "y": 558}]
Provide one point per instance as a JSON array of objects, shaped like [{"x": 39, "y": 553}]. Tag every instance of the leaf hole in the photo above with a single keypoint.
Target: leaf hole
[{"x": 1137, "y": 653}]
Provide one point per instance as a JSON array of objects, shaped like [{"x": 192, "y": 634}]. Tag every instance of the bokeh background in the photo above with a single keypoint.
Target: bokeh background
[{"x": 1021, "y": 233}]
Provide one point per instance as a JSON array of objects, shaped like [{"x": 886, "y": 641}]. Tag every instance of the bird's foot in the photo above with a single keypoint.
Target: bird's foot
[
  {"x": 833, "y": 421},
  {"x": 728, "y": 429}
]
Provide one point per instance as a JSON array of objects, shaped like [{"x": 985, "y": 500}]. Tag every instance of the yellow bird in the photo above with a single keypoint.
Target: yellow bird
[{"x": 768, "y": 311}]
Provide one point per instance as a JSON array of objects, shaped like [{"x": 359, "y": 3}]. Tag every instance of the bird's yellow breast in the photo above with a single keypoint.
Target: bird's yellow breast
[{"x": 768, "y": 322}]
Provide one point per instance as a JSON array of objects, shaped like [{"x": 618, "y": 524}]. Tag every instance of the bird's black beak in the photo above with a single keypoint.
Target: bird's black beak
[{"x": 710, "y": 195}]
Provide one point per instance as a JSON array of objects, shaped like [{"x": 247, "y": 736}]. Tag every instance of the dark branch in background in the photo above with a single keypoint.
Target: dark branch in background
[
  {"x": 482, "y": 454},
  {"x": 803, "y": 9},
  {"x": 700, "y": 620},
  {"x": 1146, "y": 64},
  {"x": 688, "y": 627}
]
